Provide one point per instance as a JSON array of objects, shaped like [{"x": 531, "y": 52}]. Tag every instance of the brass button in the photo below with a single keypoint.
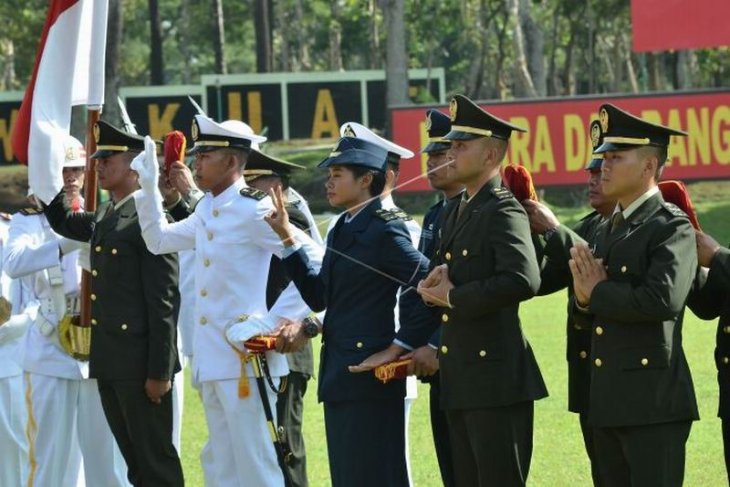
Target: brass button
[
  {"x": 98, "y": 248},
  {"x": 114, "y": 251},
  {"x": 203, "y": 292},
  {"x": 94, "y": 273},
  {"x": 444, "y": 317},
  {"x": 645, "y": 362},
  {"x": 358, "y": 344},
  {"x": 598, "y": 362},
  {"x": 210, "y": 235},
  {"x": 482, "y": 353},
  {"x": 444, "y": 349},
  {"x": 599, "y": 330},
  {"x": 576, "y": 326},
  {"x": 726, "y": 329},
  {"x": 124, "y": 326},
  {"x": 206, "y": 262},
  {"x": 216, "y": 213},
  {"x": 93, "y": 321},
  {"x": 583, "y": 354},
  {"x": 464, "y": 252},
  {"x": 447, "y": 255},
  {"x": 203, "y": 320},
  {"x": 242, "y": 318},
  {"x": 93, "y": 297},
  {"x": 623, "y": 269},
  {"x": 725, "y": 360}
]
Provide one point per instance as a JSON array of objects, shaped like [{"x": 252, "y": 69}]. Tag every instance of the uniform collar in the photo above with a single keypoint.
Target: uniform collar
[
  {"x": 631, "y": 209},
  {"x": 388, "y": 203},
  {"x": 121, "y": 202},
  {"x": 230, "y": 191}
]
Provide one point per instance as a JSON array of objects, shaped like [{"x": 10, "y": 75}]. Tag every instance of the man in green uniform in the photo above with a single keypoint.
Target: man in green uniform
[
  {"x": 642, "y": 401},
  {"x": 555, "y": 276},
  {"x": 485, "y": 265}
]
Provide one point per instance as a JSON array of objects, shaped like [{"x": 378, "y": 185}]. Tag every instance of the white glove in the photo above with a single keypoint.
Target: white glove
[
  {"x": 68, "y": 245},
  {"x": 14, "y": 327},
  {"x": 147, "y": 167},
  {"x": 85, "y": 258},
  {"x": 238, "y": 332}
]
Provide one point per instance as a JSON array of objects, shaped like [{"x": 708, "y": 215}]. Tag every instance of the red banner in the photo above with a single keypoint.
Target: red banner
[
  {"x": 664, "y": 25},
  {"x": 557, "y": 146}
]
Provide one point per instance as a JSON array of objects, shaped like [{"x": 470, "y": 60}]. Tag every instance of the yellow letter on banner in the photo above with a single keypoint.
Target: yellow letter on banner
[
  {"x": 575, "y": 142},
  {"x": 325, "y": 117},
  {"x": 5, "y": 131},
  {"x": 161, "y": 125}
]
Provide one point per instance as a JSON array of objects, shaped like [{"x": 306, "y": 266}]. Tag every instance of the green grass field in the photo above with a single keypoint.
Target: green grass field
[{"x": 559, "y": 458}]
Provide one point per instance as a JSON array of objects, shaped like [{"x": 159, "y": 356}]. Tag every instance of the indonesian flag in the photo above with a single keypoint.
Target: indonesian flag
[{"x": 68, "y": 71}]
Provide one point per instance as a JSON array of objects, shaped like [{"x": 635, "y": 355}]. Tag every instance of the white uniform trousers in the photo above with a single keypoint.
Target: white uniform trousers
[
  {"x": 65, "y": 418},
  {"x": 178, "y": 398},
  {"x": 13, "y": 442},
  {"x": 241, "y": 449}
]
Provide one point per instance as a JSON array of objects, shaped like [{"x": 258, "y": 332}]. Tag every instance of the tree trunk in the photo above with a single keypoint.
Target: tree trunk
[
  {"x": 335, "y": 53},
  {"x": 682, "y": 78},
  {"x": 286, "y": 63},
  {"x": 302, "y": 39},
  {"x": 534, "y": 45},
  {"x": 396, "y": 57},
  {"x": 652, "y": 67},
  {"x": 219, "y": 37},
  {"x": 157, "y": 66},
  {"x": 553, "y": 87},
  {"x": 374, "y": 56},
  {"x": 7, "y": 78},
  {"x": 184, "y": 40},
  {"x": 112, "y": 78},
  {"x": 524, "y": 86},
  {"x": 262, "y": 23}
]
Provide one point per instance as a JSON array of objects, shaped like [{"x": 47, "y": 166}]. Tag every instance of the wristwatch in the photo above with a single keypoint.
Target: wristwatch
[
  {"x": 310, "y": 326},
  {"x": 549, "y": 233}
]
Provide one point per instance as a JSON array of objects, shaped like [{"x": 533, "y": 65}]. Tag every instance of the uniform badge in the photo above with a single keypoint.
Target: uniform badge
[
  {"x": 428, "y": 122},
  {"x": 97, "y": 133},
  {"x": 595, "y": 134},
  {"x": 349, "y": 132},
  {"x": 603, "y": 117},
  {"x": 453, "y": 107},
  {"x": 194, "y": 130}
]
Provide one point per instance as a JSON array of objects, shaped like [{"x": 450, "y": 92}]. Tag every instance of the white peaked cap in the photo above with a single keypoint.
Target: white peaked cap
[
  {"x": 74, "y": 152},
  {"x": 357, "y": 130}
]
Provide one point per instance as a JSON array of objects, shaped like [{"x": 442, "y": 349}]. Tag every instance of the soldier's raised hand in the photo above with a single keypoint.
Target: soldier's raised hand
[
  {"x": 278, "y": 218},
  {"x": 147, "y": 167}
]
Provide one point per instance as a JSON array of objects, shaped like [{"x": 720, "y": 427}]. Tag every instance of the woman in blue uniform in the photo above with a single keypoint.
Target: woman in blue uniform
[{"x": 369, "y": 257}]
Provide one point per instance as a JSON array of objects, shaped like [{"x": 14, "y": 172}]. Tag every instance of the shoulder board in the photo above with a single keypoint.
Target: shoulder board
[
  {"x": 674, "y": 209},
  {"x": 5, "y": 216},
  {"x": 386, "y": 215},
  {"x": 30, "y": 211},
  {"x": 502, "y": 193},
  {"x": 401, "y": 214},
  {"x": 253, "y": 193}
]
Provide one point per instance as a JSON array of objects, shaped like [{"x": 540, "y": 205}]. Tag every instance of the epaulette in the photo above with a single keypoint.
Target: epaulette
[
  {"x": 254, "y": 193},
  {"x": 674, "y": 209},
  {"x": 30, "y": 211},
  {"x": 502, "y": 193},
  {"x": 401, "y": 214},
  {"x": 386, "y": 215},
  {"x": 5, "y": 216}
]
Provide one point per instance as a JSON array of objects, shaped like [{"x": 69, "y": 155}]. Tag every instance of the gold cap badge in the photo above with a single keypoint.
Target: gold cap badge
[
  {"x": 603, "y": 117},
  {"x": 349, "y": 132},
  {"x": 194, "y": 131},
  {"x": 97, "y": 132},
  {"x": 453, "y": 107},
  {"x": 428, "y": 121},
  {"x": 595, "y": 134}
]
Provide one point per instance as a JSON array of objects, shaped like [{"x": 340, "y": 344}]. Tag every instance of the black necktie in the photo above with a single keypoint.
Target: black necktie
[
  {"x": 460, "y": 210},
  {"x": 617, "y": 220}
]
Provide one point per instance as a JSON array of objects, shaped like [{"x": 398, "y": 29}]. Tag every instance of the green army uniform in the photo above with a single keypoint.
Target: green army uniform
[
  {"x": 642, "y": 400},
  {"x": 489, "y": 374},
  {"x": 134, "y": 306},
  {"x": 554, "y": 276}
]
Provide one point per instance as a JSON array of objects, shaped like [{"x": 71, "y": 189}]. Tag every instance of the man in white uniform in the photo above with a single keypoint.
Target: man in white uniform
[
  {"x": 233, "y": 248},
  {"x": 13, "y": 417},
  {"x": 64, "y": 408}
]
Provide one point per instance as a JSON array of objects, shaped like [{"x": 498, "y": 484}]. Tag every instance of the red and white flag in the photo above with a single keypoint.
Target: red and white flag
[{"x": 68, "y": 71}]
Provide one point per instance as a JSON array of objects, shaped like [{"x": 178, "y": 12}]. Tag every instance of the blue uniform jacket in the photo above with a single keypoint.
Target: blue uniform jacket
[{"x": 364, "y": 265}]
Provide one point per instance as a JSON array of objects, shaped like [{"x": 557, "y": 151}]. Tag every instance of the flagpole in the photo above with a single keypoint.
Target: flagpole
[{"x": 90, "y": 191}]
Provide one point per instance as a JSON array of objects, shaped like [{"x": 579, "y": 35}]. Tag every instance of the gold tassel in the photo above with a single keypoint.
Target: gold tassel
[{"x": 244, "y": 388}]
